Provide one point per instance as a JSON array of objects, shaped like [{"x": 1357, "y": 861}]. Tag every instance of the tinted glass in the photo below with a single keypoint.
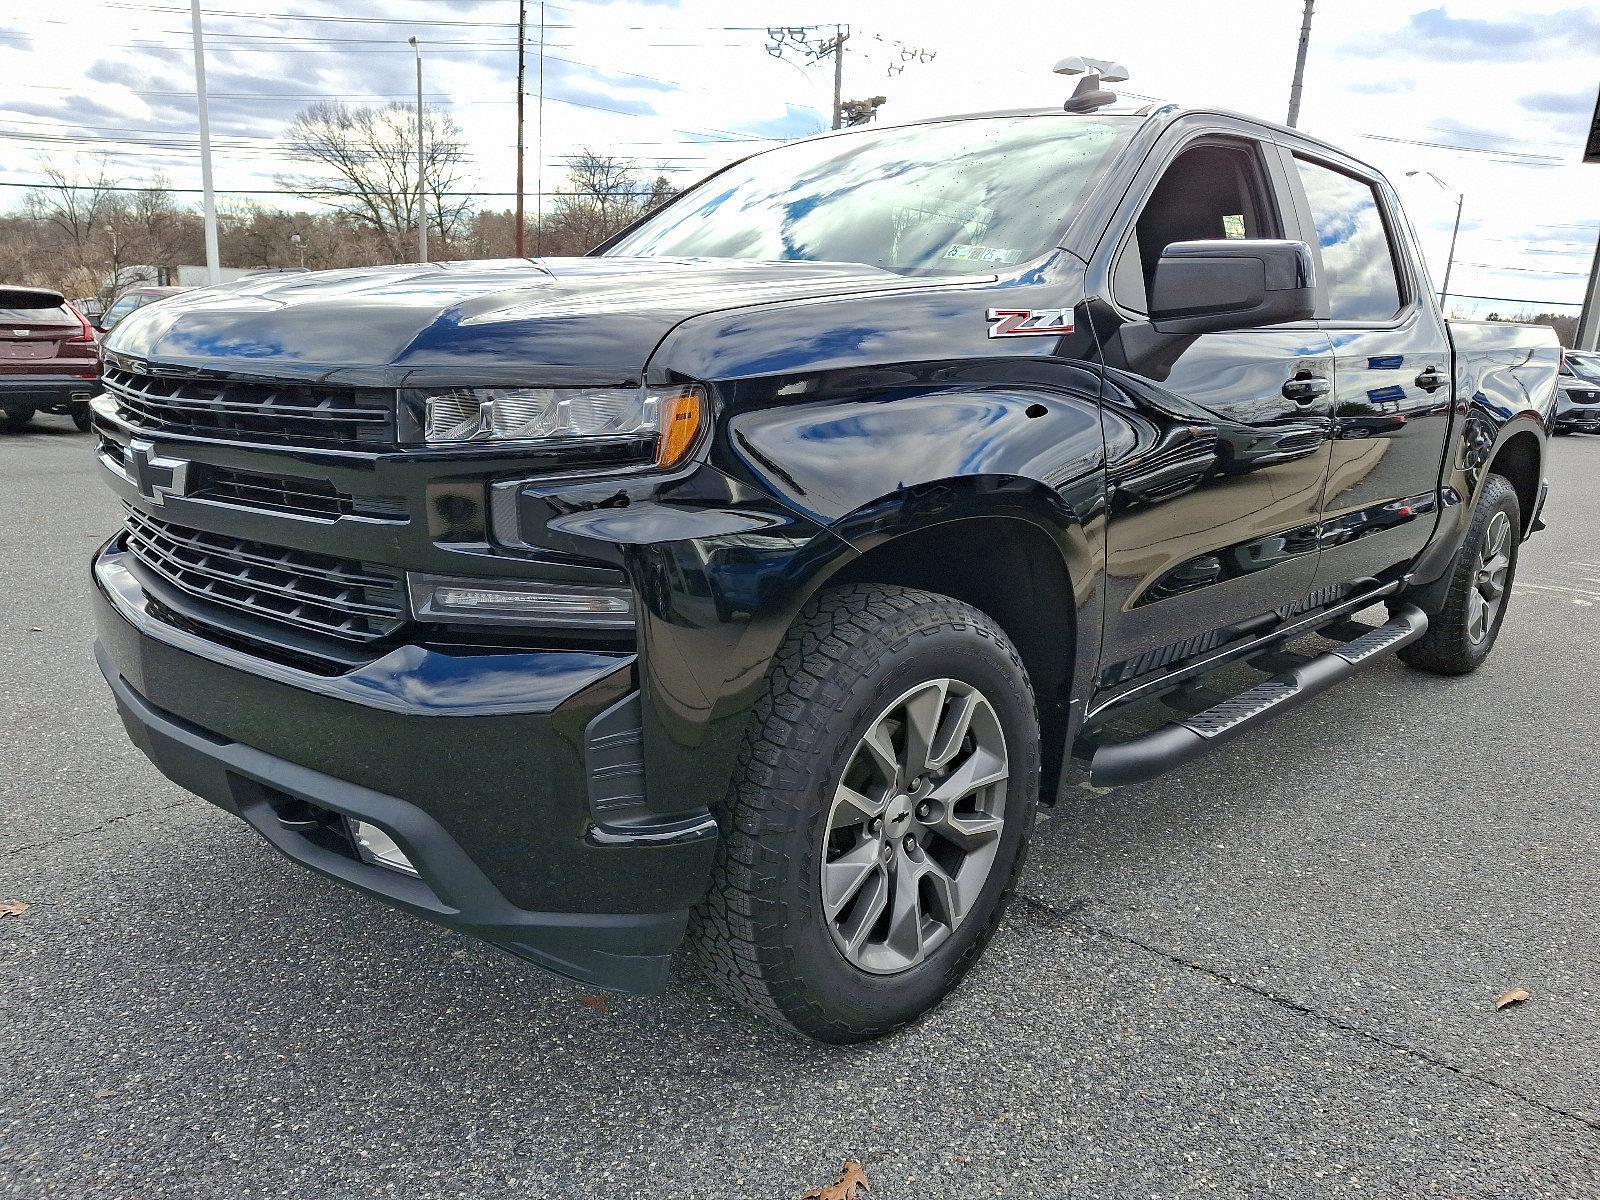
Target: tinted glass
[
  {"x": 120, "y": 309},
  {"x": 1357, "y": 265},
  {"x": 958, "y": 197},
  {"x": 1584, "y": 368},
  {"x": 52, "y": 314}
]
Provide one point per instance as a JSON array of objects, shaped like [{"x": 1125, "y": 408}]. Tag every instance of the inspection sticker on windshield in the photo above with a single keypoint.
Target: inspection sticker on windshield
[
  {"x": 1027, "y": 322},
  {"x": 973, "y": 252}
]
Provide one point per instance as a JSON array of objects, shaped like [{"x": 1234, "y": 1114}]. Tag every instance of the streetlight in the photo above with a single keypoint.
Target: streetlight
[
  {"x": 422, "y": 213},
  {"x": 299, "y": 243},
  {"x": 1451, "y": 260}
]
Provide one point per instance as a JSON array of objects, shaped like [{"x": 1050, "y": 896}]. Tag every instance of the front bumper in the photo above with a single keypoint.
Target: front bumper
[{"x": 489, "y": 799}]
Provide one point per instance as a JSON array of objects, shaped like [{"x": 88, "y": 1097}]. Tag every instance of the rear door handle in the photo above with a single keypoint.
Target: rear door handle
[
  {"x": 1432, "y": 380},
  {"x": 1305, "y": 390}
]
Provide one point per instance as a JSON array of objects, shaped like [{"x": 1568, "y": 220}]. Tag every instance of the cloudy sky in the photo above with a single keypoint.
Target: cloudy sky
[{"x": 1492, "y": 98}]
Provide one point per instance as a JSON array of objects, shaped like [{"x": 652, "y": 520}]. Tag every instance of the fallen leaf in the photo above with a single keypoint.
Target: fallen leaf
[
  {"x": 851, "y": 1176},
  {"x": 598, "y": 1003},
  {"x": 13, "y": 908},
  {"x": 104, "y": 1093},
  {"x": 1514, "y": 996}
]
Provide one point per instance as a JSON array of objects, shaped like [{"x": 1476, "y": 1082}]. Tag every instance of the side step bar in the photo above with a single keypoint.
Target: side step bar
[{"x": 1173, "y": 745}]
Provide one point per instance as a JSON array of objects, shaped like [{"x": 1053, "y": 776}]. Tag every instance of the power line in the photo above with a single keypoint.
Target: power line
[
  {"x": 1531, "y": 160},
  {"x": 1517, "y": 300}
]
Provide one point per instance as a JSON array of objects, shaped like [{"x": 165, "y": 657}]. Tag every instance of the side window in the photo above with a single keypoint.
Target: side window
[
  {"x": 1357, "y": 263},
  {"x": 1211, "y": 191}
]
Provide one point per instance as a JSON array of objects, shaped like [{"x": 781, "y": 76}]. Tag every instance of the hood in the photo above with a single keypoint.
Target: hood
[{"x": 568, "y": 320}]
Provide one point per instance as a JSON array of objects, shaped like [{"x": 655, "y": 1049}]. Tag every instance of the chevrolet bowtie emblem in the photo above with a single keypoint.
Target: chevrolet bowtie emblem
[{"x": 155, "y": 476}]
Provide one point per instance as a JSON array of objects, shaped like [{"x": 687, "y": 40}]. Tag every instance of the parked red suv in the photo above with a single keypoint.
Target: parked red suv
[{"x": 49, "y": 361}]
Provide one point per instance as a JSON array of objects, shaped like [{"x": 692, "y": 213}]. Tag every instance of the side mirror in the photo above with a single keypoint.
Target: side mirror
[{"x": 1245, "y": 283}]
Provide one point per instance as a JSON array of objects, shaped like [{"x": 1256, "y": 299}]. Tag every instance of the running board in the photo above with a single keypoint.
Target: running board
[{"x": 1145, "y": 757}]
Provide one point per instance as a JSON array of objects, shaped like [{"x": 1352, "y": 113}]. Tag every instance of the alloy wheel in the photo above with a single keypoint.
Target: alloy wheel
[
  {"x": 1489, "y": 580},
  {"x": 914, "y": 826}
]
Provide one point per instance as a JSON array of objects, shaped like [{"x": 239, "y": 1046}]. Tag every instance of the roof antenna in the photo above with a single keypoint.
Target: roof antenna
[{"x": 1095, "y": 71}]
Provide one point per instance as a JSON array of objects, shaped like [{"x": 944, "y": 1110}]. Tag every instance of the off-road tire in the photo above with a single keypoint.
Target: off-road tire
[
  {"x": 1447, "y": 648},
  {"x": 760, "y": 934}
]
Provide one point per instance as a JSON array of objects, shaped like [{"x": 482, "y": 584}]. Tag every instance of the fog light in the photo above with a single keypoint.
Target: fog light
[
  {"x": 521, "y": 602},
  {"x": 378, "y": 848}
]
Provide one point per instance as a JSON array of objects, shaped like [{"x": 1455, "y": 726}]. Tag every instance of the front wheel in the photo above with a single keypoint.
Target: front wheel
[
  {"x": 1463, "y": 631},
  {"x": 878, "y": 815}
]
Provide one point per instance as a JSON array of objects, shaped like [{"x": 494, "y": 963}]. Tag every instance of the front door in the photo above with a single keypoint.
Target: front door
[{"x": 1218, "y": 445}]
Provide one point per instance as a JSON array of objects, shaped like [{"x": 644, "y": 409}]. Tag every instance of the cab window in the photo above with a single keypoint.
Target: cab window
[
  {"x": 1358, "y": 270},
  {"x": 1211, "y": 191}
]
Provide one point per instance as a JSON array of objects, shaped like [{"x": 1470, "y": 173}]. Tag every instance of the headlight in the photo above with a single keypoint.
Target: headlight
[{"x": 672, "y": 416}]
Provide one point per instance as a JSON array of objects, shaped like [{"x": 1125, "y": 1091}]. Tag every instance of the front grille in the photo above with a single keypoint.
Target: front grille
[
  {"x": 276, "y": 493},
  {"x": 317, "y": 593},
  {"x": 299, "y": 414}
]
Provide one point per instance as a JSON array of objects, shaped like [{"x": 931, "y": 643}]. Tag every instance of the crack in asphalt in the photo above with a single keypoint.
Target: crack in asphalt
[
  {"x": 1065, "y": 916},
  {"x": 107, "y": 823}
]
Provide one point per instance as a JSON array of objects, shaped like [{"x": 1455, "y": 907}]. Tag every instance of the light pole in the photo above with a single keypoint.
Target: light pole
[
  {"x": 299, "y": 243},
  {"x": 209, "y": 199},
  {"x": 422, "y": 175},
  {"x": 1450, "y": 261}
]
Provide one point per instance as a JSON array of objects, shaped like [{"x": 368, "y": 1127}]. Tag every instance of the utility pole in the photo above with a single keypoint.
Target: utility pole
[
  {"x": 522, "y": 32},
  {"x": 538, "y": 148},
  {"x": 1300, "y": 66},
  {"x": 840, "y": 37},
  {"x": 213, "y": 256},
  {"x": 1589, "y": 315},
  {"x": 422, "y": 166}
]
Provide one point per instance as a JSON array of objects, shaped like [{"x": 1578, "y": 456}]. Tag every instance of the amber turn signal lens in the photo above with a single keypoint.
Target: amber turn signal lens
[{"x": 681, "y": 415}]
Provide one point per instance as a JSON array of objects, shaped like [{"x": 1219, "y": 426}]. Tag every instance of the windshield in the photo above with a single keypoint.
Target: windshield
[
  {"x": 956, "y": 197},
  {"x": 1587, "y": 369}
]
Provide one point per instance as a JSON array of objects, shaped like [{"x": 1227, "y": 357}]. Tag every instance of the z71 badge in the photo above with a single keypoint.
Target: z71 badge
[{"x": 1027, "y": 322}]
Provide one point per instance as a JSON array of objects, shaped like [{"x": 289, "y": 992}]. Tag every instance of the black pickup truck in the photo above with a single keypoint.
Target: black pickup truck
[{"x": 746, "y": 584}]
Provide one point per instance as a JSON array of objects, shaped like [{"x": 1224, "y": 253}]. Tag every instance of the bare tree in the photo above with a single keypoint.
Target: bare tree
[
  {"x": 368, "y": 168},
  {"x": 603, "y": 194}
]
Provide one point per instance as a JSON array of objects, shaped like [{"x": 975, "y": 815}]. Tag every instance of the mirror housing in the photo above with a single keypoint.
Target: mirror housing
[{"x": 1232, "y": 283}]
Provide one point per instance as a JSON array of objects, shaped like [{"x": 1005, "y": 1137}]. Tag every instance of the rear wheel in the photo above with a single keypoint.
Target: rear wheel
[
  {"x": 81, "y": 417},
  {"x": 878, "y": 815},
  {"x": 1463, "y": 631},
  {"x": 15, "y": 418}
]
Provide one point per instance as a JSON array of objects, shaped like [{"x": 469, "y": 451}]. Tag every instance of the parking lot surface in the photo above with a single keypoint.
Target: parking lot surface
[{"x": 1272, "y": 974}]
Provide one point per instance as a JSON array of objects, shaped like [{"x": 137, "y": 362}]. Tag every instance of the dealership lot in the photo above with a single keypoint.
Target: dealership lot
[{"x": 1270, "y": 974}]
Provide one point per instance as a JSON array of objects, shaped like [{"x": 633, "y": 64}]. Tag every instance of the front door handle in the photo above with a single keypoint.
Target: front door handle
[
  {"x": 1432, "y": 380},
  {"x": 1305, "y": 389}
]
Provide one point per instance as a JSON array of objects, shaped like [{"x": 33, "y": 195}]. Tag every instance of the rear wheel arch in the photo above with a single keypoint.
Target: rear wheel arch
[{"x": 1519, "y": 459}]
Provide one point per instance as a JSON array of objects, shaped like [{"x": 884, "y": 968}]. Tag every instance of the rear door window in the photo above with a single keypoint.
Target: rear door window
[{"x": 1358, "y": 269}]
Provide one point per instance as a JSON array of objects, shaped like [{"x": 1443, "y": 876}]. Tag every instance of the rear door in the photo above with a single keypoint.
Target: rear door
[
  {"x": 1392, "y": 383},
  {"x": 1217, "y": 445}
]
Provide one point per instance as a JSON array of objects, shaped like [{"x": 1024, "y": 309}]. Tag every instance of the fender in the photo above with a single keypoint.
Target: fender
[{"x": 1500, "y": 395}]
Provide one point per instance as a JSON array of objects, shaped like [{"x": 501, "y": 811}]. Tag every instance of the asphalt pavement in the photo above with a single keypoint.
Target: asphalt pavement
[{"x": 1269, "y": 975}]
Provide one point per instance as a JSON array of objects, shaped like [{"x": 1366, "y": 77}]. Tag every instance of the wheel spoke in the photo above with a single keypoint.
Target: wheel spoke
[
  {"x": 842, "y": 878},
  {"x": 923, "y": 711},
  {"x": 968, "y": 831},
  {"x": 865, "y": 914},
  {"x": 851, "y": 807},
  {"x": 947, "y": 893},
  {"x": 1494, "y": 575},
  {"x": 981, "y": 768},
  {"x": 880, "y": 749},
  {"x": 905, "y": 914},
  {"x": 953, "y": 732},
  {"x": 1477, "y": 615}
]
